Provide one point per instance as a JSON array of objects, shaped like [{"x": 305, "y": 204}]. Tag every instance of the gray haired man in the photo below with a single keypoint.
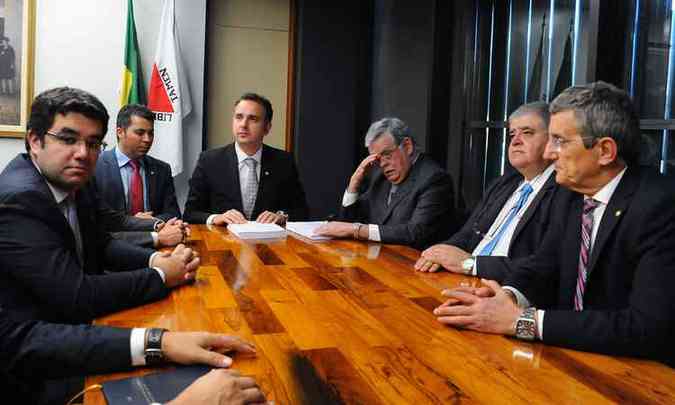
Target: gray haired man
[{"x": 396, "y": 194}]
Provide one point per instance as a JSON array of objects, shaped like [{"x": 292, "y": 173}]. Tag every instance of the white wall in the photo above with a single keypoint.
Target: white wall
[{"x": 80, "y": 43}]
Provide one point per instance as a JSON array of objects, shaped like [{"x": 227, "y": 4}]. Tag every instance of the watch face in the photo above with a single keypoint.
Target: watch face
[{"x": 525, "y": 328}]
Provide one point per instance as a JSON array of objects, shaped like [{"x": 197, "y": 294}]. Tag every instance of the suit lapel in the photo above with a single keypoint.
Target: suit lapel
[
  {"x": 266, "y": 165},
  {"x": 617, "y": 206},
  {"x": 548, "y": 186},
  {"x": 114, "y": 174},
  {"x": 232, "y": 166},
  {"x": 151, "y": 178}
]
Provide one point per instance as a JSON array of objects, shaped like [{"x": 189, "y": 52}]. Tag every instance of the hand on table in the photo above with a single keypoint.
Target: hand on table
[
  {"x": 230, "y": 217},
  {"x": 221, "y": 387},
  {"x": 336, "y": 229},
  {"x": 203, "y": 348},
  {"x": 447, "y": 256}
]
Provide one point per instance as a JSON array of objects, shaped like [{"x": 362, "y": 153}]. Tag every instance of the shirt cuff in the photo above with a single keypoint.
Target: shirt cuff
[
  {"x": 349, "y": 198},
  {"x": 374, "y": 233},
  {"x": 474, "y": 270},
  {"x": 137, "y": 346},
  {"x": 540, "y": 324},
  {"x": 520, "y": 298},
  {"x": 155, "y": 239},
  {"x": 210, "y": 219},
  {"x": 161, "y": 273}
]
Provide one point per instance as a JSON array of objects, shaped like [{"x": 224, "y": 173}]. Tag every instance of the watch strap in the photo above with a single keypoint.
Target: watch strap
[{"x": 153, "y": 346}]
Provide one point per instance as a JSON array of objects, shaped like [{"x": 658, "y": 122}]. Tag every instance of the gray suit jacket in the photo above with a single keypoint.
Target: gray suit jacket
[{"x": 421, "y": 211}]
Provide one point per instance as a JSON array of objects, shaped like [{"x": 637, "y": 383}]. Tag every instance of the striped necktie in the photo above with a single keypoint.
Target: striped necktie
[
  {"x": 251, "y": 188},
  {"x": 586, "y": 233}
]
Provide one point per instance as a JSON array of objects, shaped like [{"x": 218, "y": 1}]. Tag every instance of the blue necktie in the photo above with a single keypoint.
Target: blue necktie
[{"x": 525, "y": 192}]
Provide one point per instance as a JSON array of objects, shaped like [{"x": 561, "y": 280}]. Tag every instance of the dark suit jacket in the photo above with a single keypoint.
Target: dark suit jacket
[
  {"x": 214, "y": 186},
  {"x": 629, "y": 305},
  {"x": 161, "y": 196},
  {"x": 421, "y": 211},
  {"x": 528, "y": 233},
  {"x": 40, "y": 274},
  {"x": 32, "y": 351}
]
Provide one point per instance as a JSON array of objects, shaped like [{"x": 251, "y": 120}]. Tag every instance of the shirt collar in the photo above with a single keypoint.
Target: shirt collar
[
  {"x": 241, "y": 155},
  {"x": 123, "y": 159},
  {"x": 539, "y": 180},
  {"x": 605, "y": 193},
  {"x": 58, "y": 193}
]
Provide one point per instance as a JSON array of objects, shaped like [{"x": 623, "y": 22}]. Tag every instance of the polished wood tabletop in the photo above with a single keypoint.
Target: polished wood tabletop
[{"x": 350, "y": 322}]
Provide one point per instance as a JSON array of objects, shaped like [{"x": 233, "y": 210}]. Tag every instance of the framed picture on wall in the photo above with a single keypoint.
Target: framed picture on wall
[{"x": 17, "y": 48}]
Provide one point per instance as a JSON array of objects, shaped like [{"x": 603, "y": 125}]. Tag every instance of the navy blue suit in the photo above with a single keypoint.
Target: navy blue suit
[
  {"x": 40, "y": 273},
  {"x": 32, "y": 352},
  {"x": 629, "y": 306},
  {"x": 161, "y": 196}
]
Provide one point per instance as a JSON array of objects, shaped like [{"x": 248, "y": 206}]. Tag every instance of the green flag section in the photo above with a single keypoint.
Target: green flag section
[{"x": 132, "y": 89}]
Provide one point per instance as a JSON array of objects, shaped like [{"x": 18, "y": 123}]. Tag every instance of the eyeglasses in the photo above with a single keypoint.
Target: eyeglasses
[
  {"x": 93, "y": 145},
  {"x": 388, "y": 153},
  {"x": 558, "y": 143}
]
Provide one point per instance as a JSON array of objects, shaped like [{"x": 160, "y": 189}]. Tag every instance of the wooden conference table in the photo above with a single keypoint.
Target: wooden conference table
[{"x": 351, "y": 322}]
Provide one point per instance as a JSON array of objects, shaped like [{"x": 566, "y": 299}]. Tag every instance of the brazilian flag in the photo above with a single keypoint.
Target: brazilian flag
[{"x": 132, "y": 90}]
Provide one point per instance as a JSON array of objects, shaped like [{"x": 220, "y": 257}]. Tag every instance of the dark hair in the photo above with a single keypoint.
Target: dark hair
[
  {"x": 264, "y": 102},
  {"x": 603, "y": 110},
  {"x": 131, "y": 110},
  {"x": 63, "y": 100}
]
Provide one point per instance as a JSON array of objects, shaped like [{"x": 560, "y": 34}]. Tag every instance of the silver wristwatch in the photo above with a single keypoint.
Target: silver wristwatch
[
  {"x": 468, "y": 264},
  {"x": 526, "y": 325}
]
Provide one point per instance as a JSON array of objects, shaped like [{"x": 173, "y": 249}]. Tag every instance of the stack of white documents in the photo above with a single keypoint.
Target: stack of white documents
[{"x": 256, "y": 230}]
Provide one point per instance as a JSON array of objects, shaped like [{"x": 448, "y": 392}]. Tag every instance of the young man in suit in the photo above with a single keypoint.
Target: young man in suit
[
  {"x": 608, "y": 259},
  {"x": 246, "y": 180},
  {"x": 513, "y": 216},
  {"x": 408, "y": 199},
  {"x": 34, "y": 355},
  {"x": 53, "y": 250},
  {"x": 131, "y": 181}
]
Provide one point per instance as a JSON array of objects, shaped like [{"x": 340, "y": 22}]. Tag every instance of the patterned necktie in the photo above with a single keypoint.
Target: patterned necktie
[
  {"x": 251, "y": 188},
  {"x": 135, "y": 188},
  {"x": 525, "y": 192},
  {"x": 70, "y": 211},
  {"x": 586, "y": 233}
]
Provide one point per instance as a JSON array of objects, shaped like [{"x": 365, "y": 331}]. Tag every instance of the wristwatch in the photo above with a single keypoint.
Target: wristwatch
[
  {"x": 526, "y": 325},
  {"x": 153, "y": 346},
  {"x": 356, "y": 228},
  {"x": 468, "y": 264}
]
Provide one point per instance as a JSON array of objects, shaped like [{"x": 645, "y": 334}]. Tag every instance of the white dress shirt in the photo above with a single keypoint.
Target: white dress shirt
[
  {"x": 602, "y": 196},
  {"x": 502, "y": 247},
  {"x": 243, "y": 173}
]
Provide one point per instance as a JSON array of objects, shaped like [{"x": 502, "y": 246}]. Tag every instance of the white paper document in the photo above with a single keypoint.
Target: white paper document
[
  {"x": 256, "y": 230},
  {"x": 306, "y": 229}
]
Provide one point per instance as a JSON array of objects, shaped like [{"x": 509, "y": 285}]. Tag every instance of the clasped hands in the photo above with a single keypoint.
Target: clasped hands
[
  {"x": 179, "y": 266},
  {"x": 172, "y": 232},
  {"x": 235, "y": 217},
  {"x": 488, "y": 308}
]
